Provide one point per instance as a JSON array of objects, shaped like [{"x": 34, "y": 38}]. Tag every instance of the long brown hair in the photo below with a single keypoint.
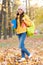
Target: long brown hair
[{"x": 21, "y": 16}]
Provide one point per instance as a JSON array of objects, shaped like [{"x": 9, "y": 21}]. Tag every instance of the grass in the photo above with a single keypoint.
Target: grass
[
  {"x": 37, "y": 36},
  {"x": 13, "y": 42}
]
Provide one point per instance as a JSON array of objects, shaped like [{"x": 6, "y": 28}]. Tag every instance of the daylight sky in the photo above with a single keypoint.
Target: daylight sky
[
  {"x": 33, "y": 2},
  {"x": 39, "y": 2}
]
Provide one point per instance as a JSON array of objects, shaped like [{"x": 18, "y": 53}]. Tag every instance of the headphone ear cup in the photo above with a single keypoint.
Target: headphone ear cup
[{"x": 17, "y": 14}]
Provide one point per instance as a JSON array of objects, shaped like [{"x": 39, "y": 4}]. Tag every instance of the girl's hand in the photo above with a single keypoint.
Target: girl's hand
[
  {"x": 12, "y": 24},
  {"x": 23, "y": 19}
]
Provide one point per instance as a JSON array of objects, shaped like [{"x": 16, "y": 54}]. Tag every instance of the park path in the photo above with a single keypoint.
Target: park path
[{"x": 9, "y": 49}]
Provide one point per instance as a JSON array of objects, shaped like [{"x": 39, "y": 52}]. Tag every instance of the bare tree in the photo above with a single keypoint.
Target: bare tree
[
  {"x": 4, "y": 17},
  {"x": 9, "y": 18},
  {"x": 0, "y": 22}
]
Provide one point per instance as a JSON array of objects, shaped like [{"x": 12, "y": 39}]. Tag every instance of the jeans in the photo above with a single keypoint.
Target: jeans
[{"x": 24, "y": 51}]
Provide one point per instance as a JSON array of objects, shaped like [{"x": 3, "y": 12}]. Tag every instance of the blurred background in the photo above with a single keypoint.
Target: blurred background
[
  {"x": 8, "y": 39},
  {"x": 34, "y": 9}
]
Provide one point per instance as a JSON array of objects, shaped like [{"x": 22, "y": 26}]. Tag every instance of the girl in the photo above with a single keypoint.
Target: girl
[{"x": 22, "y": 22}]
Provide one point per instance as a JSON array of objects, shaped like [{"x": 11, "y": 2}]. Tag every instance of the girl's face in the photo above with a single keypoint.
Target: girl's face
[{"x": 20, "y": 11}]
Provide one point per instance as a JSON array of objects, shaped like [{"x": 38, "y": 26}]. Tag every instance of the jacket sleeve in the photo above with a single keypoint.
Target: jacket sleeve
[{"x": 27, "y": 21}]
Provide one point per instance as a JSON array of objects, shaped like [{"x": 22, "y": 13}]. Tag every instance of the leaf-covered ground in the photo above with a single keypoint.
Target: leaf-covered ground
[{"x": 10, "y": 53}]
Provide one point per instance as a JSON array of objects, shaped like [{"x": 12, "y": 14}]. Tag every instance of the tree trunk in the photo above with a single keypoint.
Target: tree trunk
[
  {"x": 9, "y": 17},
  {"x": 4, "y": 17},
  {"x": 0, "y": 23}
]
